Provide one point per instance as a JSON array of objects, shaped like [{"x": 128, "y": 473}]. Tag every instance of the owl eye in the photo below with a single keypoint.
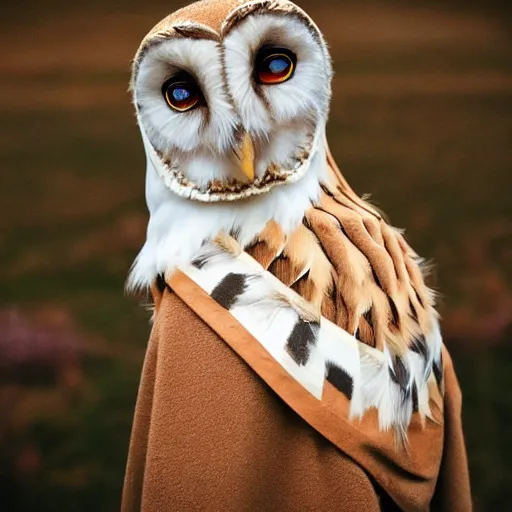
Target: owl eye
[
  {"x": 181, "y": 93},
  {"x": 275, "y": 66}
]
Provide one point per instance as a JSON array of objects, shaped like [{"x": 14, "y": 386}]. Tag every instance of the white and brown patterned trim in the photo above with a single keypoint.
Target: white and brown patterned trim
[{"x": 315, "y": 351}]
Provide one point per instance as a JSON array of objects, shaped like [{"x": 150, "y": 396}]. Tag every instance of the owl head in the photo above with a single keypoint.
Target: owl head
[{"x": 232, "y": 97}]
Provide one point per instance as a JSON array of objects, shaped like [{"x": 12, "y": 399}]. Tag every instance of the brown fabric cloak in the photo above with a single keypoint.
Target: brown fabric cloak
[{"x": 209, "y": 434}]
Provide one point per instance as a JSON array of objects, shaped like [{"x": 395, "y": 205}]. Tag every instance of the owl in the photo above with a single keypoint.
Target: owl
[{"x": 255, "y": 232}]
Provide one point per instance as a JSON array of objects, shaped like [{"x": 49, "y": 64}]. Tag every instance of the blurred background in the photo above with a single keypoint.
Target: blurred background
[{"x": 422, "y": 119}]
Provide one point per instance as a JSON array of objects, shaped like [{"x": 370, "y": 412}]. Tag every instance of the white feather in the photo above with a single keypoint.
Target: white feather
[{"x": 178, "y": 227}]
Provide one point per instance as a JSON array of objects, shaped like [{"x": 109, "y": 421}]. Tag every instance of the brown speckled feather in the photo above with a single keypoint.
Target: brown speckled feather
[{"x": 356, "y": 269}]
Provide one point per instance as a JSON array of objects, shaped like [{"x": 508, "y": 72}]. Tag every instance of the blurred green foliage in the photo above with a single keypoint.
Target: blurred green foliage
[{"x": 421, "y": 118}]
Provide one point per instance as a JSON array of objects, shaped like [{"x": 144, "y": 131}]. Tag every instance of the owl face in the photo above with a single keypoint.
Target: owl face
[{"x": 232, "y": 98}]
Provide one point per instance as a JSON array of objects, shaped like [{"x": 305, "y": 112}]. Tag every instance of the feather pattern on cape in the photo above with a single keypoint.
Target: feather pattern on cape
[{"x": 315, "y": 351}]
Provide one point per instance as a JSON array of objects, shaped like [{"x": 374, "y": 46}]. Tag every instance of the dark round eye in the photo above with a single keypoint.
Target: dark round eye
[
  {"x": 275, "y": 66},
  {"x": 181, "y": 93}
]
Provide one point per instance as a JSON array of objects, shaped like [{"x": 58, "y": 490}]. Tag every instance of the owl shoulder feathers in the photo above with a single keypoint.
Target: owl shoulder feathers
[{"x": 356, "y": 269}]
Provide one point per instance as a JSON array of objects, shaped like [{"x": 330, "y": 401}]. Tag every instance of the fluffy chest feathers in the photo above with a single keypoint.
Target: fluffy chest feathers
[{"x": 318, "y": 238}]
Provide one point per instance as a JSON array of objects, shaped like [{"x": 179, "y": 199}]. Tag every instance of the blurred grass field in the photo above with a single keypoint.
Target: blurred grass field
[{"x": 421, "y": 118}]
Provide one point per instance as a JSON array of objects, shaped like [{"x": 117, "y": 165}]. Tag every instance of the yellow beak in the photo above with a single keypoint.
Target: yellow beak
[{"x": 247, "y": 157}]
